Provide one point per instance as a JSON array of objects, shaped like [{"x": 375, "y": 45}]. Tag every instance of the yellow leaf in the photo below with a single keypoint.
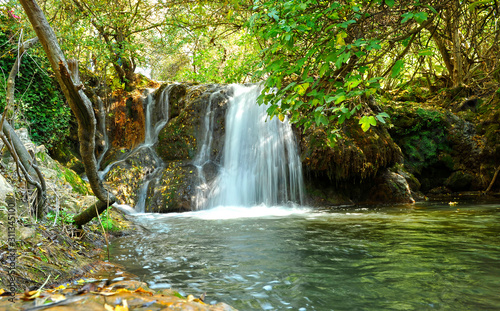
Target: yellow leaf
[
  {"x": 281, "y": 117},
  {"x": 108, "y": 307},
  {"x": 142, "y": 290},
  {"x": 199, "y": 301},
  {"x": 122, "y": 290},
  {"x": 122, "y": 308},
  {"x": 340, "y": 40},
  {"x": 2, "y": 291}
]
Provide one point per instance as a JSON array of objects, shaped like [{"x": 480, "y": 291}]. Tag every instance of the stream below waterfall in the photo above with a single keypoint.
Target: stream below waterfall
[{"x": 412, "y": 257}]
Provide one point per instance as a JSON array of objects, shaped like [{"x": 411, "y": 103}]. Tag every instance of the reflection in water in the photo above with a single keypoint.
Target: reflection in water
[{"x": 415, "y": 258}]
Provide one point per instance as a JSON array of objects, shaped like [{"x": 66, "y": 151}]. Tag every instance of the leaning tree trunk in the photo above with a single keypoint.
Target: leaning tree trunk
[{"x": 79, "y": 103}]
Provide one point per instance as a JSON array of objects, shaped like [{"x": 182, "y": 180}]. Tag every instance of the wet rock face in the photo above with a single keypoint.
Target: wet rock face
[
  {"x": 179, "y": 139},
  {"x": 174, "y": 190},
  {"x": 443, "y": 150},
  {"x": 171, "y": 188},
  {"x": 390, "y": 187},
  {"x": 344, "y": 173},
  {"x": 179, "y": 142},
  {"x": 125, "y": 177},
  {"x": 357, "y": 155}
]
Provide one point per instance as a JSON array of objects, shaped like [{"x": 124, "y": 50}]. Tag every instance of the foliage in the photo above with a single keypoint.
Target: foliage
[
  {"x": 63, "y": 217},
  {"x": 108, "y": 223},
  {"x": 422, "y": 136},
  {"x": 324, "y": 61},
  {"x": 40, "y": 104}
]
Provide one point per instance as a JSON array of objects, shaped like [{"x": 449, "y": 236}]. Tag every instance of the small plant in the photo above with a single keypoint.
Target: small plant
[
  {"x": 63, "y": 218},
  {"x": 107, "y": 222}
]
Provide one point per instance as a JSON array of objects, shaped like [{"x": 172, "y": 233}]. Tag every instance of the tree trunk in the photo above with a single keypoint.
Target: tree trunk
[
  {"x": 445, "y": 54},
  {"x": 457, "y": 51},
  {"x": 78, "y": 101}
]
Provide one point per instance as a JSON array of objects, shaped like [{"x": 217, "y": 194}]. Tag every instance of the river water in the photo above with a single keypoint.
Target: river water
[{"x": 412, "y": 257}]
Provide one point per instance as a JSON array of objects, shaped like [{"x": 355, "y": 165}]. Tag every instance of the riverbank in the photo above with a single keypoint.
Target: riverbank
[{"x": 62, "y": 267}]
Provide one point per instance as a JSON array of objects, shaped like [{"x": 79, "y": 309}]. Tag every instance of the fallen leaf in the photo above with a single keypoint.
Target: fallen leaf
[
  {"x": 122, "y": 290},
  {"x": 105, "y": 293},
  {"x": 57, "y": 297},
  {"x": 31, "y": 295},
  {"x": 122, "y": 308},
  {"x": 2, "y": 291},
  {"x": 108, "y": 307},
  {"x": 142, "y": 290}
]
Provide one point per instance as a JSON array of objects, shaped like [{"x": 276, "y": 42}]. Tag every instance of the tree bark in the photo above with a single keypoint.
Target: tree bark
[
  {"x": 78, "y": 101},
  {"x": 457, "y": 50}
]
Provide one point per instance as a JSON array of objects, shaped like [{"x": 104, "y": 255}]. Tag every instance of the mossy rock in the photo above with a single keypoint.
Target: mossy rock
[
  {"x": 357, "y": 155},
  {"x": 173, "y": 190}
]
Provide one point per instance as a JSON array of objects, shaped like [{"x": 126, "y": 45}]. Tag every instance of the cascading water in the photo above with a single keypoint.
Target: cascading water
[
  {"x": 150, "y": 138},
  {"x": 203, "y": 156},
  {"x": 260, "y": 160},
  {"x": 152, "y": 130},
  {"x": 153, "y": 125}
]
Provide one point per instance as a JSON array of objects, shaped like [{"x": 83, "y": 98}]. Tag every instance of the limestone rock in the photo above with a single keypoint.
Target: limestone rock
[
  {"x": 390, "y": 187},
  {"x": 5, "y": 189}
]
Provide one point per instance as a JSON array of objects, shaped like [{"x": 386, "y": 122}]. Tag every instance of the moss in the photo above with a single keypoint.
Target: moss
[
  {"x": 74, "y": 180},
  {"x": 421, "y": 134},
  {"x": 357, "y": 155}
]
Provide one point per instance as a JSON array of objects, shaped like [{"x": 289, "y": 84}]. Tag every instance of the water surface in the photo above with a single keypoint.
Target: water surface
[{"x": 416, "y": 257}]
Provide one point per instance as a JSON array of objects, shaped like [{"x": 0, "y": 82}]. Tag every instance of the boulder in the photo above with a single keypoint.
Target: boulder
[
  {"x": 390, "y": 187},
  {"x": 5, "y": 189},
  {"x": 459, "y": 181}
]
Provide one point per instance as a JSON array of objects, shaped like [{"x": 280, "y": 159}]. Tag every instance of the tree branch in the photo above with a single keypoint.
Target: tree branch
[{"x": 78, "y": 101}]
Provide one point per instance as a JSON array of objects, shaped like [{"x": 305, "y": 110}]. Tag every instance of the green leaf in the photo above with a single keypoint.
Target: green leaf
[
  {"x": 340, "y": 99},
  {"x": 366, "y": 122},
  {"x": 396, "y": 69},
  {"x": 432, "y": 9},
  {"x": 323, "y": 69},
  {"x": 322, "y": 120},
  {"x": 426, "y": 52},
  {"x": 381, "y": 117},
  {"x": 406, "y": 17},
  {"x": 390, "y": 3},
  {"x": 420, "y": 17},
  {"x": 342, "y": 59},
  {"x": 473, "y": 5}
]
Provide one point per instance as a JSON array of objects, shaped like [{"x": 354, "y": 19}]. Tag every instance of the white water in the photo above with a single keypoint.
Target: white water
[
  {"x": 260, "y": 161},
  {"x": 203, "y": 156},
  {"x": 237, "y": 212},
  {"x": 152, "y": 130}
]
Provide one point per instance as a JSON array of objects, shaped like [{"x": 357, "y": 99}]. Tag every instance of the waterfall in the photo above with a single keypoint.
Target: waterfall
[
  {"x": 151, "y": 132},
  {"x": 260, "y": 160},
  {"x": 203, "y": 156}
]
